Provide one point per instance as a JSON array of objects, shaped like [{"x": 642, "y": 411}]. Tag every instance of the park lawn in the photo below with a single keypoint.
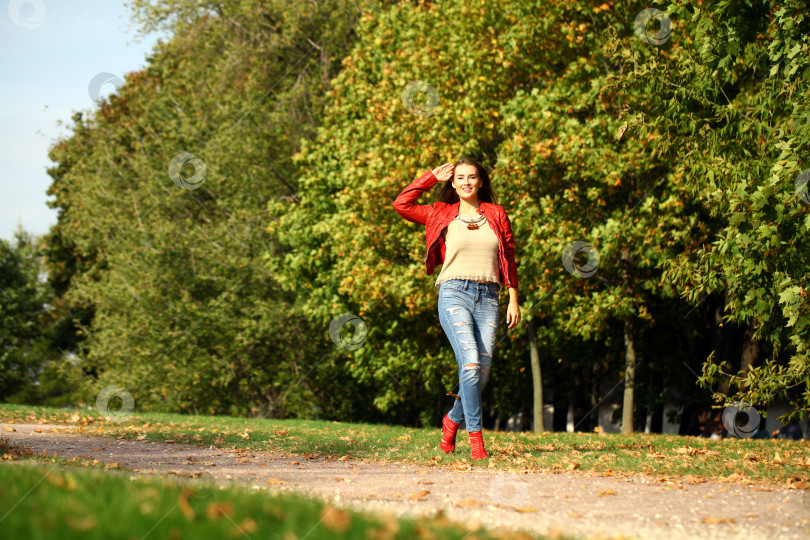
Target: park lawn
[
  {"x": 44, "y": 498},
  {"x": 668, "y": 458}
]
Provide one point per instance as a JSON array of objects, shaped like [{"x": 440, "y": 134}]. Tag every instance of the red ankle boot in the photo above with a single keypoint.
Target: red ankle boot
[
  {"x": 477, "y": 446},
  {"x": 449, "y": 429}
]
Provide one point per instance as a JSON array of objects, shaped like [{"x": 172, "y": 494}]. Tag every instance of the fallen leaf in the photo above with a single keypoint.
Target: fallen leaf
[
  {"x": 37, "y": 430},
  {"x": 185, "y": 507},
  {"x": 467, "y": 503},
  {"x": 55, "y": 479},
  {"x": 692, "y": 479},
  {"x": 275, "y": 481},
  {"x": 607, "y": 492},
  {"x": 84, "y": 523},
  {"x": 335, "y": 519},
  {"x": 419, "y": 495},
  {"x": 217, "y": 509},
  {"x": 526, "y": 509},
  {"x": 246, "y": 526},
  {"x": 195, "y": 474},
  {"x": 715, "y": 521},
  {"x": 9, "y": 428}
]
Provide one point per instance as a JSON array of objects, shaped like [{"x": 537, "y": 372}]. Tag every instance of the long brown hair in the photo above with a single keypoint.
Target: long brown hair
[{"x": 485, "y": 193}]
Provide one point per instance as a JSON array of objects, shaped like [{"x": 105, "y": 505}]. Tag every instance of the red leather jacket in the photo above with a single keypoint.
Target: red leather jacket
[{"x": 437, "y": 216}]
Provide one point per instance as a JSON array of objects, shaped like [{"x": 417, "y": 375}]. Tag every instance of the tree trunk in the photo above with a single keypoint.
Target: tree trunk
[
  {"x": 629, "y": 349},
  {"x": 595, "y": 395},
  {"x": 630, "y": 377},
  {"x": 750, "y": 352},
  {"x": 569, "y": 417},
  {"x": 722, "y": 342},
  {"x": 537, "y": 379}
]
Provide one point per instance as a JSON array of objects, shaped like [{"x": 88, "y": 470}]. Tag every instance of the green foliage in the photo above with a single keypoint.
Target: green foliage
[
  {"x": 27, "y": 369},
  {"x": 183, "y": 315},
  {"x": 755, "y": 148},
  {"x": 343, "y": 241},
  {"x": 675, "y": 161}
]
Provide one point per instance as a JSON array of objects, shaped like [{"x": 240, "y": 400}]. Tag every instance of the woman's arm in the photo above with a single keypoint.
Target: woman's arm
[
  {"x": 512, "y": 310},
  {"x": 405, "y": 203}
]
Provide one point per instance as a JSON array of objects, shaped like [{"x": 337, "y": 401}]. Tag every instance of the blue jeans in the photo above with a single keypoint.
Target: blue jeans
[{"x": 468, "y": 312}]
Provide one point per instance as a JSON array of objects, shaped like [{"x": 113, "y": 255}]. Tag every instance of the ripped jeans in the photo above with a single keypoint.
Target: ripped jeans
[{"x": 468, "y": 312}]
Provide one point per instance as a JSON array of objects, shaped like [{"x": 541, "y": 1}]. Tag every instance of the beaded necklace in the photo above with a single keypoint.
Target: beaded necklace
[{"x": 472, "y": 223}]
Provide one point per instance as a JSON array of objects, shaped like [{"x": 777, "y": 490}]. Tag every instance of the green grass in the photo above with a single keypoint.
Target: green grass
[
  {"x": 778, "y": 462},
  {"x": 40, "y": 500}
]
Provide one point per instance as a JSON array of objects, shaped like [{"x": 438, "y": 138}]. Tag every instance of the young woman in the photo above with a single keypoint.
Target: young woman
[{"x": 471, "y": 237}]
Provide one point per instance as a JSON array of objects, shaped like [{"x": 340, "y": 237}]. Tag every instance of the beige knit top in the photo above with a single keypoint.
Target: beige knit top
[{"x": 469, "y": 254}]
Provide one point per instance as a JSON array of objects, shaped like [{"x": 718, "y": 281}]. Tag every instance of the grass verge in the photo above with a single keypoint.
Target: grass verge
[
  {"x": 777, "y": 462},
  {"x": 42, "y": 500}
]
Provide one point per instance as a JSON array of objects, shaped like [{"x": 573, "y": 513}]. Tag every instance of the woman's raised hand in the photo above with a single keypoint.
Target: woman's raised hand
[{"x": 443, "y": 172}]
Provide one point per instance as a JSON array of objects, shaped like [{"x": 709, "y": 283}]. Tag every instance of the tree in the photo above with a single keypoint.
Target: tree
[
  {"x": 403, "y": 104},
  {"x": 162, "y": 191},
  {"x": 751, "y": 175},
  {"x": 26, "y": 362}
]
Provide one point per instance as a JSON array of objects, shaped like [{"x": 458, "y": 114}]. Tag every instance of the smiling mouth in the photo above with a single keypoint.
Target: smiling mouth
[{"x": 466, "y": 189}]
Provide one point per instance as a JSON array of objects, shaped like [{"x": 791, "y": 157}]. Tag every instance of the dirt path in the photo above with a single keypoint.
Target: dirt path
[{"x": 576, "y": 504}]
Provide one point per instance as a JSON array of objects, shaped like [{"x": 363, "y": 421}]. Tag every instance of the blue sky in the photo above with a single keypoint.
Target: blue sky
[{"x": 45, "y": 74}]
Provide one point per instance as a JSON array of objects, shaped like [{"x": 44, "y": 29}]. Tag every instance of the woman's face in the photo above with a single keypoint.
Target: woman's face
[{"x": 467, "y": 183}]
